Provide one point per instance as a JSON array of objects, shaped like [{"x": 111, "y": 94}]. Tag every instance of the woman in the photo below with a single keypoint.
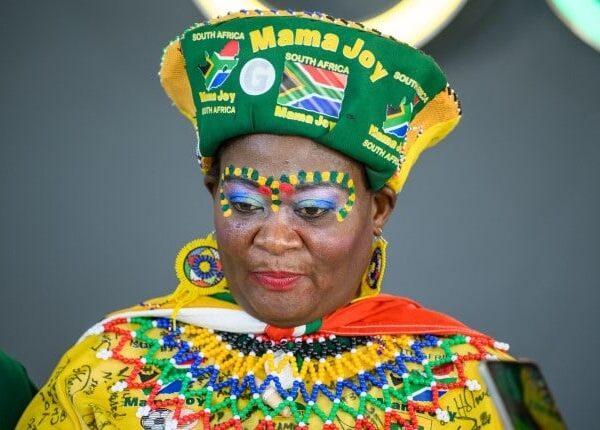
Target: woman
[{"x": 308, "y": 127}]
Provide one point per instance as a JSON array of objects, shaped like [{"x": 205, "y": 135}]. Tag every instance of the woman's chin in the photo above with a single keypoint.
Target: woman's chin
[{"x": 287, "y": 314}]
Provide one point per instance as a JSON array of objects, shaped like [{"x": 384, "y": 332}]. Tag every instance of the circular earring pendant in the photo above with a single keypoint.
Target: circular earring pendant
[
  {"x": 202, "y": 266},
  {"x": 198, "y": 265}
]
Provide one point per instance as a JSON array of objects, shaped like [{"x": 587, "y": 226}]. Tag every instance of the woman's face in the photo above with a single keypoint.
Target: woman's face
[{"x": 294, "y": 263}]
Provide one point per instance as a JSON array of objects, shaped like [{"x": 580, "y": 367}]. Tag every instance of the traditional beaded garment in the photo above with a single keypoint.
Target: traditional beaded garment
[{"x": 226, "y": 380}]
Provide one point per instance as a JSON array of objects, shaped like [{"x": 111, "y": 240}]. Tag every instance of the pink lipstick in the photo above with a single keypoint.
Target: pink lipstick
[{"x": 276, "y": 281}]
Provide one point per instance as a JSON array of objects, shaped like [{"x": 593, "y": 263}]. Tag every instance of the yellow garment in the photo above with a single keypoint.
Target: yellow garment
[{"x": 80, "y": 395}]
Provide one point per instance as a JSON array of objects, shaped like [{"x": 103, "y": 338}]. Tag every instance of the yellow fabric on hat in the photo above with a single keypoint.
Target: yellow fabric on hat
[
  {"x": 174, "y": 80},
  {"x": 429, "y": 126}
]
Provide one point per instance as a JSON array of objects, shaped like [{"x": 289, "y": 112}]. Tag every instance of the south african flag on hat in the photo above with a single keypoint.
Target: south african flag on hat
[
  {"x": 219, "y": 65},
  {"x": 312, "y": 89},
  {"x": 397, "y": 119}
]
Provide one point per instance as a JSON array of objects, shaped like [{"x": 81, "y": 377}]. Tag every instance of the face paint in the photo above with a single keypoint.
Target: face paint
[
  {"x": 318, "y": 200},
  {"x": 257, "y": 188},
  {"x": 244, "y": 197}
]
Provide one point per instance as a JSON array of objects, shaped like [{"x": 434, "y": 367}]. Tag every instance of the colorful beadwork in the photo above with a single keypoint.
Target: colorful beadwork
[
  {"x": 198, "y": 268},
  {"x": 304, "y": 379},
  {"x": 198, "y": 264},
  {"x": 273, "y": 187},
  {"x": 376, "y": 269}
]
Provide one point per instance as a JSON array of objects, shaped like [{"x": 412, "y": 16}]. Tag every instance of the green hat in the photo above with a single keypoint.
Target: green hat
[{"x": 378, "y": 101}]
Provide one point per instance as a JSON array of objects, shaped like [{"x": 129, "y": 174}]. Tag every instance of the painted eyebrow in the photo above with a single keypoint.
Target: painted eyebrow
[
  {"x": 310, "y": 186},
  {"x": 298, "y": 187},
  {"x": 241, "y": 180}
]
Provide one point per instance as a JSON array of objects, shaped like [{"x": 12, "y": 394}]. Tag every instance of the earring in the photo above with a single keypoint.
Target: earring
[
  {"x": 199, "y": 270},
  {"x": 373, "y": 276}
]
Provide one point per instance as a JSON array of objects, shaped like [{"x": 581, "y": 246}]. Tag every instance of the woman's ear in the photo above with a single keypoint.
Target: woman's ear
[{"x": 383, "y": 203}]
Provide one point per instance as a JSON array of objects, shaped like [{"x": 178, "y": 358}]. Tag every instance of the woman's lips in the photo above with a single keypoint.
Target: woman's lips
[{"x": 276, "y": 281}]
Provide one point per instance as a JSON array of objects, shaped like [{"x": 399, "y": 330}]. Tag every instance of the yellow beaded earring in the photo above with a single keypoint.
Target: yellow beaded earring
[
  {"x": 373, "y": 277},
  {"x": 199, "y": 270}
]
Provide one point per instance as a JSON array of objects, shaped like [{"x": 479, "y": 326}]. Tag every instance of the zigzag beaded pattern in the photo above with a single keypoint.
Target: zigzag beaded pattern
[{"x": 222, "y": 369}]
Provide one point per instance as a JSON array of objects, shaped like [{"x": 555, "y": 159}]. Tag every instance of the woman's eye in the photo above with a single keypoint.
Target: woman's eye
[
  {"x": 244, "y": 203},
  {"x": 314, "y": 208},
  {"x": 246, "y": 208},
  {"x": 311, "y": 211}
]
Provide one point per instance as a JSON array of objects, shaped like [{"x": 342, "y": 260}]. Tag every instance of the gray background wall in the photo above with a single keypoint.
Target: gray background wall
[{"x": 99, "y": 187}]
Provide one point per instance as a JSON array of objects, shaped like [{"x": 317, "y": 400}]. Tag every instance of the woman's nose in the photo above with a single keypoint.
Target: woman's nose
[{"x": 276, "y": 235}]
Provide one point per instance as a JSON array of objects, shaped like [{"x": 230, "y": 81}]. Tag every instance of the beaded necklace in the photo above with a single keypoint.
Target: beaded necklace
[{"x": 303, "y": 379}]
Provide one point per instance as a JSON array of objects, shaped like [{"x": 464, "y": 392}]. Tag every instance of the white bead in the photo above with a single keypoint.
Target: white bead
[
  {"x": 442, "y": 415},
  {"x": 104, "y": 354},
  {"x": 472, "y": 385},
  {"x": 142, "y": 411},
  {"x": 119, "y": 386},
  {"x": 502, "y": 346}
]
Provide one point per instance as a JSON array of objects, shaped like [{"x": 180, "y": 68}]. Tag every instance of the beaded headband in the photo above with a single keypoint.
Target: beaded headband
[{"x": 376, "y": 100}]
